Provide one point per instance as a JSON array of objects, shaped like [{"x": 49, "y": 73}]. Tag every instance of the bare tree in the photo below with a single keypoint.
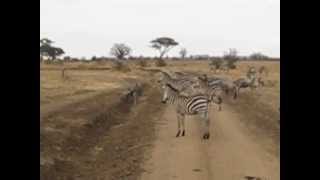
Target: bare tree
[
  {"x": 163, "y": 45},
  {"x": 120, "y": 51},
  {"x": 231, "y": 57},
  {"x": 183, "y": 53},
  {"x": 231, "y": 54}
]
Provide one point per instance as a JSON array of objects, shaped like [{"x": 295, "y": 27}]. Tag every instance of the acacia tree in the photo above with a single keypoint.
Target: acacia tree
[
  {"x": 232, "y": 54},
  {"x": 45, "y": 41},
  {"x": 163, "y": 45},
  {"x": 120, "y": 50},
  {"x": 46, "y": 49},
  {"x": 183, "y": 53}
]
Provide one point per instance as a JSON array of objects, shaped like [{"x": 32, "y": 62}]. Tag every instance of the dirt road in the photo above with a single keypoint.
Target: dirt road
[{"x": 231, "y": 153}]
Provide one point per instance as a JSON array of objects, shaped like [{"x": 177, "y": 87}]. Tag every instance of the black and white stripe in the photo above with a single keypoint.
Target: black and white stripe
[
  {"x": 213, "y": 87},
  {"x": 187, "y": 105}
]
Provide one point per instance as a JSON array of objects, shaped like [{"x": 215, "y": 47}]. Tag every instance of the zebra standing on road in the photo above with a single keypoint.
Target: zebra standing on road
[
  {"x": 225, "y": 84},
  {"x": 187, "y": 105},
  {"x": 212, "y": 88}
]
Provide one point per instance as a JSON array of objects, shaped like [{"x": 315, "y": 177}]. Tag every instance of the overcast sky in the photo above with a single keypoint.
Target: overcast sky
[{"x": 84, "y": 28}]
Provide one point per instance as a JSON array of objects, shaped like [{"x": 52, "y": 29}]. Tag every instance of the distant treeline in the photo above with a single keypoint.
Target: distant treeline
[
  {"x": 162, "y": 45},
  {"x": 195, "y": 57}
]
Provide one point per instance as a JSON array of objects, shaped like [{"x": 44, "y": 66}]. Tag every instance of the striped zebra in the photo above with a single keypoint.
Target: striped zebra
[
  {"x": 181, "y": 84},
  {"x": 211, "y": 88},
  {"x": 244, "y": 83},
  {"x": 187, "y": 105},
  {"x": 225, "y": 84},
  {"x": 214, "y": 91}
]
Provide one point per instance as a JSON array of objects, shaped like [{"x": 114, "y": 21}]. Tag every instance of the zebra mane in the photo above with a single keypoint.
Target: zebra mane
[
  {"x": 166, "y": 74},
  {"x": 172, "y": 88},
  {"x": 179, "y": 73},
  {"x": 204, "y": 77}
]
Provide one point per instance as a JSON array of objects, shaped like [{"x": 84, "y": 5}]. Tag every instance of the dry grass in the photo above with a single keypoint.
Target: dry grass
[{"x": 82, "y": 80}]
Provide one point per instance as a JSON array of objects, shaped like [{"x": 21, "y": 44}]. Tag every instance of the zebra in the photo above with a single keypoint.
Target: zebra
[
  {"x": 225, "y": 84},
  {"x": 244, "y": 83},
  {"x": 251, "y": 71},
  {"x": 182, "y": 84},
  {"x": 261, "y": 82},
  {"x": 132, "y": 93},
  {"x": 187, "y": 106},
  {"x": 263, "y": 69},
  {"x": 212, "y": 88}
]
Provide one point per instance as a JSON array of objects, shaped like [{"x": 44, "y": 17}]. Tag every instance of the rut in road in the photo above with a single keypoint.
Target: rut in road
[{"x": 231, "y": 153}]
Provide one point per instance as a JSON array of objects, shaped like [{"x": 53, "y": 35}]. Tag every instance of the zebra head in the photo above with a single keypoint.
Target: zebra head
[
  {"x": 164, "y": 78},
  {"x": 168, "y": 92}
]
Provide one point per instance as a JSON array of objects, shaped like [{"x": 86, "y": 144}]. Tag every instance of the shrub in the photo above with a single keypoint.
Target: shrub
[
  {"x": 120, "y": 66},
  {"x": 160, "y": 63},
  {"x": 56, "y": 62},
  {"x": 231, "y": 63},
  {"x": 217, "y": 63},
  {"x": 142, "y": 63}
]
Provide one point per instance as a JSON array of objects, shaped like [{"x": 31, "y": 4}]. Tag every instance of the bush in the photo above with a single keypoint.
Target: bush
[
  {"x": 217, "y": 63},
  {"x": 120, "y": 66},
  {"x": 142, "y": 63},
  {"x": 67, "y": 58},
  {"x": 160, "y": 63},
  {"x": 54, "y": 62},
  {"x": 231, "y": 63}
]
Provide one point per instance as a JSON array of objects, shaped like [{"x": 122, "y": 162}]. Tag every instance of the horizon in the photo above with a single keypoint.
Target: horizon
[{"x": 206, "y": 28}]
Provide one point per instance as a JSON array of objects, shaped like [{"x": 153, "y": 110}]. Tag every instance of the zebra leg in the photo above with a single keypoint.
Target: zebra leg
[
  {"x": 135, "y": 98},
  {"x": 206, "y": 121},
  {"x": 179, "y": 119},
  {"x": 183, "y": 127},
  {"x": 253, "y": 88},
  {"x": 236, "y": 92}
]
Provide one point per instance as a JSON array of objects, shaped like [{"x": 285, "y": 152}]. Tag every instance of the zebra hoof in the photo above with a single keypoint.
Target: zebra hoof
[
  {"x": 206, "y": 136},
  {"x": 183, "y": 132},
  {"x": 178, "y": 134}
]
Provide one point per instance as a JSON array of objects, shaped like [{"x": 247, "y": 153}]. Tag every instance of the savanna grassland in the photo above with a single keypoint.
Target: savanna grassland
[{"x": 88, "y": 131}]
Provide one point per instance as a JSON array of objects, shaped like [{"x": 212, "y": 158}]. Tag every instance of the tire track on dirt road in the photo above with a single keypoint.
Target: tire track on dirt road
[
  {"x": 102, "y": 137},
  {"x": 231, "y": 153}
]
